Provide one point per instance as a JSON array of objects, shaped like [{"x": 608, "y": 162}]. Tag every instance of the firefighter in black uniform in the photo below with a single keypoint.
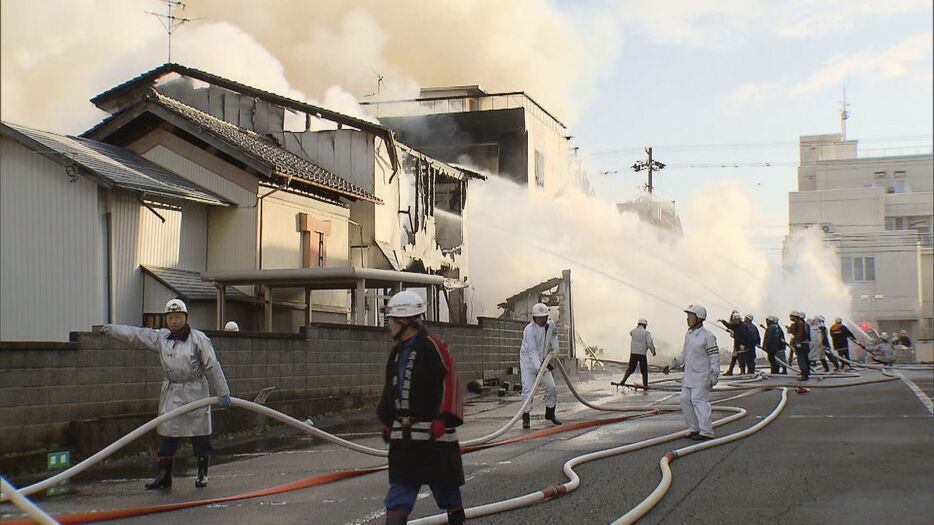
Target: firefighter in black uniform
[{"x": 421, "y": 406}]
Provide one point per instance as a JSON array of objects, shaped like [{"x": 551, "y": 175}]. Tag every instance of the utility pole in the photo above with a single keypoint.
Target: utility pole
[
  {"x": 844, "y": 115},
  {"x": 169, "y": 21},
  {"x": 649, "y": 165}
]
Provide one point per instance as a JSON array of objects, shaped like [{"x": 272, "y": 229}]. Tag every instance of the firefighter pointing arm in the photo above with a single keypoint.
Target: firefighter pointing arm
[{"x": 189, "y": 363}]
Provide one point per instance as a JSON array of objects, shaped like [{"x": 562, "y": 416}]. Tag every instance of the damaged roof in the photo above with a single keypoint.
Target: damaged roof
[
  {"x": 111, "y": 165},
  {"x": 124, "y": 94},
  {"x": 537, "y": 289},
  {"x": 284, "y": 162},
  {"x": 255, "y": 147}
]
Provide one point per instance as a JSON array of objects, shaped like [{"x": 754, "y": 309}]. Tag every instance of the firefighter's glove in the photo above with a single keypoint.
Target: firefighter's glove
[
  {"x": 550, "y": 367},
  {"x": 387, "y": 433},
  {"x": 224, "y": 400},
  {"x": 665, "y": 370},
  {"x": 437, "y": 429},
  {"x": 712, "y": 380}
]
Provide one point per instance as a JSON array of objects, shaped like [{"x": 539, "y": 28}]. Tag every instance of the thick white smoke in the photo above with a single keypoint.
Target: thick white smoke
[
  {"x": 57, "y": 54},
  {"x": 623, "y": 269}
]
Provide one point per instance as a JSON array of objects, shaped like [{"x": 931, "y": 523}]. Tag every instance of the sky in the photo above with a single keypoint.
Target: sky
[{"x": 705, "y": 83}]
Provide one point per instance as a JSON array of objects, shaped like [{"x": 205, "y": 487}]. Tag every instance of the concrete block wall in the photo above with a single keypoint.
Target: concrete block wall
[{"x": 85, "y": 394}]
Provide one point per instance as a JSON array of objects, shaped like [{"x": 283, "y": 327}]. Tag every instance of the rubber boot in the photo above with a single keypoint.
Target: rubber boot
[
  {"x": 526, "y": 421},
  {"x": 202, "y": 480},
  {"x": 395, "y": 517},
  {"x": 163, "y": 479},
  {"x": 457, "y": 517},
  {"x": 550, "y": 415}
]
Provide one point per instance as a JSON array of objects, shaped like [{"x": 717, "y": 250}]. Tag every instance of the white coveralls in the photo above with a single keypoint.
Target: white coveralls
[
  {"x": 816, "y": 352},
  {"x": 187, "y": 365},
  {"x": 701, "y": 360},
  {"x": 535, "y": 342}
]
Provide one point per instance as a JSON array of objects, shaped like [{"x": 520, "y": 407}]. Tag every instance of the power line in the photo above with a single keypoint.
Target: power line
[{"x": 754, "y": 145}]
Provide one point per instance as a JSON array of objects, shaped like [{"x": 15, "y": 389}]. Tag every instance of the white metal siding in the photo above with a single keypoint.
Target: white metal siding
[
  {"x": 50, "y": 239},
  {"x": 347, "y": 153},
  {"x": 127, "y": 277},
  {"x": 155, "y": 295},
  {"x": 200, "y": 175},
  {"x": 179, "y": 242}
]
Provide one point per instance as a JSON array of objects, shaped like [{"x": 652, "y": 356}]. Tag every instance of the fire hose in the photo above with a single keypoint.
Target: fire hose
[{"x": 471, "y": 444}]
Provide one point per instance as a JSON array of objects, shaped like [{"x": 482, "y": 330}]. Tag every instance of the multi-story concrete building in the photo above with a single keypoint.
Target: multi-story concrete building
[
  {"x": 505, "y": 134},
  {"x": 877, "y": 213}
]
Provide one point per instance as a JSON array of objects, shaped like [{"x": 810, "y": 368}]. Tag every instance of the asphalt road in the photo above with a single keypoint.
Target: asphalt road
[{"x": 861, "y": 454}]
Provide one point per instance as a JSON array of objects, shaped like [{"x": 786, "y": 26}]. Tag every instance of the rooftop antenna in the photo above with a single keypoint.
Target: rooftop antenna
[
  {"x": 844, "y": 114},
  {"x": 379, "y": 84},
  {"x": 169, "y": 21}
]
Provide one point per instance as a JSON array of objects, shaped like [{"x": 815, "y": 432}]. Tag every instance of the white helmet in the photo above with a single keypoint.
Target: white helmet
[
  {"x": 231, "y": 326},
  {"x": 176, "y": 305},
  {"x": 643, "y": 321},
  {"x": 539, "y": 310},
  {"x": 749, "y": 316},
  {"x": 772, "y": 318},
  {"x": 697, "y": 310},
  {"x": 838, "y": 320},
  {"x": 735, "y": 314},
  {"x": 884, "y": 335},
  {"x": 405, "y": 304}
]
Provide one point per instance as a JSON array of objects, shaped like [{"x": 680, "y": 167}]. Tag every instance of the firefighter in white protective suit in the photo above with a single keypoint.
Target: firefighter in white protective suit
[
  {"x": 189, "y": 362},
  {"x": 701, "y": 361},
  {"x": 540, "y": 334}
]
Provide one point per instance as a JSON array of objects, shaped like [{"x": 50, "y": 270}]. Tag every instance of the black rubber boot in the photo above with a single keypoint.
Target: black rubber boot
[
  {"x": 526, "y": 421},
  {"x": 550, "y": 415},
  {"x": 394, "y": 517},
  {"x": 457, "y": 517},
  {"x": 163, "y": 479},
  {"x": 202, "y": 480}
]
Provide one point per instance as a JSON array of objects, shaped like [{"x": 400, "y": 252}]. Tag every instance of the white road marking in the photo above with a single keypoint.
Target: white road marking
[{"x": 925, "y": 400}]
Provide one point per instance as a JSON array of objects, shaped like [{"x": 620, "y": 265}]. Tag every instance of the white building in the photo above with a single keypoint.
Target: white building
[
  {"x": 877, "y": 213},
  {"x": 194, "y": 173},
  {"x": 506, "y": 134}
]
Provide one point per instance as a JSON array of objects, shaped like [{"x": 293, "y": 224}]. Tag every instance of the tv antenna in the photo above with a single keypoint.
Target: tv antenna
[
  {"x": 844, "y": 114},
  {"x": 170, "y": 22}
]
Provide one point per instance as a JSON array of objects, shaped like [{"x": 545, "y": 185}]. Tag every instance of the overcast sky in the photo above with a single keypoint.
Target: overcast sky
[{"x": 704, "y": 82}]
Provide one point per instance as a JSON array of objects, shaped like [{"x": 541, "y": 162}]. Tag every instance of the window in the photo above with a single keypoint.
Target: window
[
  {"x": 539, "y": 169},
  {"x": 314, "y": 235},
  {"x": 879, "y": 180},
  {"x": 918, "y": 223},
  {"x": 153, "y": 321},
  {"x": 900, "y": 184},
  {"x": 858, "y": 269},
  {"x": 321, "y": 250}
]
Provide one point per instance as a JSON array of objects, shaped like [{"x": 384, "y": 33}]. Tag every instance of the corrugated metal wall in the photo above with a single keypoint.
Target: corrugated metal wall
[
  {"x": 127, "y": 281},
  {"x": 179, "y": 242},
  {"x": 50, "y": 240},
  {"x": 347, "y": 153}
]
